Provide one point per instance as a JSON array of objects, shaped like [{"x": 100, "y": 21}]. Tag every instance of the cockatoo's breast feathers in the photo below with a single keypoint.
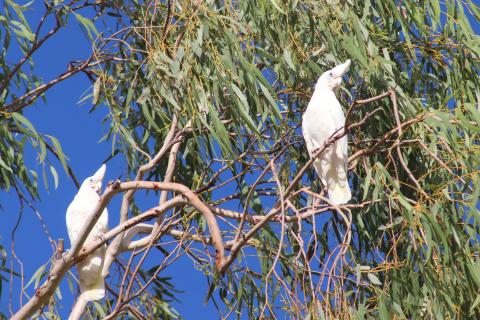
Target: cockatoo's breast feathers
[
  {"x": 95, "y": 182},
  {"x": 332, "y": 79}
]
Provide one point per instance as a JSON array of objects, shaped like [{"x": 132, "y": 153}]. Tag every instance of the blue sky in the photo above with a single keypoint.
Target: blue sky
[{"x": 79, "y": 132}]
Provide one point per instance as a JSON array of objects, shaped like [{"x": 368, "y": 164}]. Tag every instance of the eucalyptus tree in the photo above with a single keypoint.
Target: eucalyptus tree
[{"x": 205, "y": 100}]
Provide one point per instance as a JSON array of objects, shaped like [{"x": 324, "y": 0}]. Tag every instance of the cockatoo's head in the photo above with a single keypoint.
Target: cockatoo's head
[
  {"x": 95, "y": 182},
  {"x": 332, "y": 79}
]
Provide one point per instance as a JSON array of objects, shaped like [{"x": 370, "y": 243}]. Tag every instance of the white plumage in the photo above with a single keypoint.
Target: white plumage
[
  {"x": 92, "y": 286},
  {"x": 323, "y": 117}
]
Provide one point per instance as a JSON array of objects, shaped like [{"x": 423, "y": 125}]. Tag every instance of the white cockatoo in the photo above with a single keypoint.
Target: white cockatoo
[
  {"x": 92, "y": 286},
  {"x": 323, "y": 117}
]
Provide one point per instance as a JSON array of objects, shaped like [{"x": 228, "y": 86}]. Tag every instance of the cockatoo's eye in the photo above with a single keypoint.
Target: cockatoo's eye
[{"x": 330, "y": 74}]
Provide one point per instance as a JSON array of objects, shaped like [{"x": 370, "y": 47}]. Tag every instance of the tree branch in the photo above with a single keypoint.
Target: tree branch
[
  {"x": 77, "y": 253},
  {"x": 35, "y": 46},
  {"x": 23, "y": 101}
]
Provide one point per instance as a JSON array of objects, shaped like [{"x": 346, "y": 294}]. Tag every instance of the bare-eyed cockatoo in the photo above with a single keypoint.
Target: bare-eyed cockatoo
[
  {"x": 92, "y": 286},
  {"x": 323, "y": 117}
]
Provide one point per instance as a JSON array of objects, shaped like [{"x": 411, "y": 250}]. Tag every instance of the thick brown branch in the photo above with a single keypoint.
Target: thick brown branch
[
  {"x": 76, "y": 253},
  {"x": 156, "y": 231}
]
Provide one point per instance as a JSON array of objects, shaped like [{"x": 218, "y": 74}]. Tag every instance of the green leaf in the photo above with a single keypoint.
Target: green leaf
[
  {"x": 288, "y": 58},
  {"x": 55, "y": 176},
  {"x": 270, "y": 99},
  {"x": 373, "y": 279},
  {"x": 37, "y": 276},
  {"x": 5, "y": 166},
  {"x": 87, "y": 25},
  {"x": 245, "y": 110},
  {"x": 59, "y": 151},
  {"x": 275, "y": 4},
  {"x": 99, "y": 309},
  {"x": 26, "y": 123},
  {"x": 22, "y": 31},
  {"x": 96, "y": 90},
  {"x": 475, "y": 304}
]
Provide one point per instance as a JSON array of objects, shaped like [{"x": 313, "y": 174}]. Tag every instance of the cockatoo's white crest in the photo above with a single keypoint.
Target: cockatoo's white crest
[
  {"x": 95, "y": 181},
  {"x": 323, "y": 117},
  {"x": 332, "y": 79}
]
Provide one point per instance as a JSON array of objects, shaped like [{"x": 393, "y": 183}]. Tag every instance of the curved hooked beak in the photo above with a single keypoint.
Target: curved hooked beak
[
  {"x": 341, "y": 69},
  {"x": 98, "y": 177}
]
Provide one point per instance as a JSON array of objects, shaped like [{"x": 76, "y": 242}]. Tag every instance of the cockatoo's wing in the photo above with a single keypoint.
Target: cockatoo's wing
[
  {"x": 307, "y": 137},
  {"x": 317, "y": 127},
  {"x": 92, "y": 285}
]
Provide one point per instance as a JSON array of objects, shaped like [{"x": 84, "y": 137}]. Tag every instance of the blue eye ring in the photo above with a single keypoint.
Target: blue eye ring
[{"x": 330, "y": 74}]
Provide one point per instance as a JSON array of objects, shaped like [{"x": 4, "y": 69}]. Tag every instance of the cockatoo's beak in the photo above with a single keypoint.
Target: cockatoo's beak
[
  {"x": 341, "y": 69},
  {"x": 98, "y": 178},
  {"x": 332, "y": 79}
]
